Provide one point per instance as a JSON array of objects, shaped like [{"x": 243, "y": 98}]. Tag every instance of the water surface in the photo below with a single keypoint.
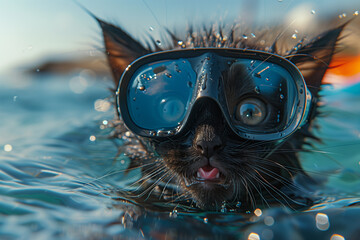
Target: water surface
[{"x": 59, "y": 169}]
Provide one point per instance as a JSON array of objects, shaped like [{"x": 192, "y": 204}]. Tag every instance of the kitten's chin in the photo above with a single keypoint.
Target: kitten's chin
[{"x": 209, "y": 194}]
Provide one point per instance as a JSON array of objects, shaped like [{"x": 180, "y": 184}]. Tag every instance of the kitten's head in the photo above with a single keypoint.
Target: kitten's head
[{"x": 209, "y": 161}]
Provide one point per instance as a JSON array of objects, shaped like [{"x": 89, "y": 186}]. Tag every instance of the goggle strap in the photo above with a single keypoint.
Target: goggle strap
[{"x": 309, "y": 110}]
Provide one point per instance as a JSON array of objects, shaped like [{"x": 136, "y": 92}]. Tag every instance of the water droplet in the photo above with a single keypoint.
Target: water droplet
[
  {"x": 282, "y": 96},
  {"x": 206, "y": 220},
  {"x": 37, "y": 70},
  {"x": 180, "y": 43},
  {"x": 92, "y": 138},
  {"x": 258, "y": 212},
  {"x": 257, "y": 89},
  {"x": 134, "y": 99},
  {"x": 105, "y": 122},
  {"x": 313, "y": 11},
  {"x": 15, "y": 98},
  {"x": 8, "y": 148},
  {"x": 322, "y": 221},
  {"x": 267, "y": 79},
  {"x": 356, "y": 13},
  {"x": 151, "y": 28},
  {"x": 238, "y": 204},
  {"x": 173, "y": 213},
  {"x": 168, "y": 75},
  {"x": 152, "y": 133},
  {"x": 189, "y": 84},
  {"x": 141, "y": 87},
  {"x": 262, "y": 42},
  {"x": 301, "y": 91},
  {"x": 253, "y": 35},
  {"x": 223, "y": 207},
  {"x": 269, "y": 221},
  {"x": 343, "y": 15},
  {"x": 244, "y": 36},
  {"x": 158, "y": 42},
  {"x": 294, "y": 36}
]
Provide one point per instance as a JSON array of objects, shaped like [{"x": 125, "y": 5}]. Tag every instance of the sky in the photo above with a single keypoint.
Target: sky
[{"x": 38, "y": 29}]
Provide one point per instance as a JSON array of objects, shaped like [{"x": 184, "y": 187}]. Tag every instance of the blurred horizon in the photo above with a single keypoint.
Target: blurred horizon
[{"x": 40, "y": 30}]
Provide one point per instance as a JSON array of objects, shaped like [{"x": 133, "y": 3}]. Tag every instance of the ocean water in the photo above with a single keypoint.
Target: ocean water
[{"x": 59, "y": 171}]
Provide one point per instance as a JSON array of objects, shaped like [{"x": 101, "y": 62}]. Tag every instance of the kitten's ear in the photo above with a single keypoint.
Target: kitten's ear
[
  {"x": 121, "y": 48},
  {"x": 313, "y": 59}
]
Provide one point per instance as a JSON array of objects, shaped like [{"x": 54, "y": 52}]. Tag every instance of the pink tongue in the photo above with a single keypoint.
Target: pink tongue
[{"x": 208, "y": 172}]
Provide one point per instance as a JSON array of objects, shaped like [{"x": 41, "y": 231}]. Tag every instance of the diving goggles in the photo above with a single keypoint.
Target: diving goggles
[{"x": 261, "y": 95}]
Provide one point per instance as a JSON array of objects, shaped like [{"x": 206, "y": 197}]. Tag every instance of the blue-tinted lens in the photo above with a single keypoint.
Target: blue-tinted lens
[
  {"x": 275, "y": 87},
  {"x": 159, "y": 94}
]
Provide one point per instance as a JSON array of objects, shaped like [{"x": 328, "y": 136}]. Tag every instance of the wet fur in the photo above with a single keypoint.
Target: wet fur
[{"x": 255, "y": 173}]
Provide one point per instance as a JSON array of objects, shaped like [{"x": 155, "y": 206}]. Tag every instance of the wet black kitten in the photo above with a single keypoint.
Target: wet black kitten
[{"x": 250, "y": 172}]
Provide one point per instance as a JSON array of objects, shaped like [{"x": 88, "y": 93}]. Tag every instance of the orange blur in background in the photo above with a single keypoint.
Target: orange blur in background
[{"x": 344, "y": 70}]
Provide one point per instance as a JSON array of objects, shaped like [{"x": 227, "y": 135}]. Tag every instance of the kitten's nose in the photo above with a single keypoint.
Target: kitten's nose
[
  {"x": 207, "y": 142},
  {"x": 208, "y": 148}
]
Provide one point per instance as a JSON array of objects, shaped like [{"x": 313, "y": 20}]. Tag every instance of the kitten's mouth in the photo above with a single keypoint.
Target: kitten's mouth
[{"x": 207, "y": 175}]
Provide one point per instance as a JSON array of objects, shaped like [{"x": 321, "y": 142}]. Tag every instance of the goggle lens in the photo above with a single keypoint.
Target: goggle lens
[{"x": 159, "y": 94}]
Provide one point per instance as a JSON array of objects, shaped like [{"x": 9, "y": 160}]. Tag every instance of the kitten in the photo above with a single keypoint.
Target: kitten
[{"x": 251, "y": 173}]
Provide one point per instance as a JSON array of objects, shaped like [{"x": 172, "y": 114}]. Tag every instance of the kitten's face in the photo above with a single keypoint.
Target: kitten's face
[
  {"x": 214, "y": 165},
  {"x": 210, "y": 162}
]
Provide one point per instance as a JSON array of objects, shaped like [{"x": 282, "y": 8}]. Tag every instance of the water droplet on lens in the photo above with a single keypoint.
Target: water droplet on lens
[
  {"x": 141, "y": 88},
  {"x": 158, "y": 42},
  {"x": 189, "y": 84},
  {"x": 267, "y": 79},
  {"x": 206, "y": 220},
  {"x": 134, "y": 99},
  {"x": 257, "y": 89},
  {"x": 244, "y": 36},
  {"x": 281, "y": 96},
  {"x": 238, "y": 204},
  {"x": 168, "y": 75},
  {"x": 313, "y": 11},
  {"x": 151, "y": 28},
  {"x": 294, "y": 36},
  {"x": 356, "y": 13},
  {"x": 180, "y": 43},
  {"x": 253, "y": 35}
]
